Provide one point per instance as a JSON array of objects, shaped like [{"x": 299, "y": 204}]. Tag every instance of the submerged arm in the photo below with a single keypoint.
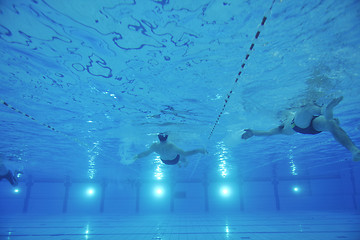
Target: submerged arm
[
  {"x": 249, "y": 132},
  {"x": 145, "y": 153},
  {"x": 187, "y": 153},
  {"x": 136, "y": 157}
]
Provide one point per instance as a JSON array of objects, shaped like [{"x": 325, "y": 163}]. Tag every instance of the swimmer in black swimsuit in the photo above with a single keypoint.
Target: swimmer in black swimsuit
[
  {"x": 308, "y": 130},
  {"x": 310, "y": 120},
  {"x": 169, "y": 153},
  {"x": 8, "y": 175},
  {"x": 172, "y": 162}
]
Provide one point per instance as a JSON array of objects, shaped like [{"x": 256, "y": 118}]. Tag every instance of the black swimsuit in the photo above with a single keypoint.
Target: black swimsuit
[
  {"x": 309, "y": 130},
  {"x": 172, "y": 162},
  {"x": 10, "y": 177}
]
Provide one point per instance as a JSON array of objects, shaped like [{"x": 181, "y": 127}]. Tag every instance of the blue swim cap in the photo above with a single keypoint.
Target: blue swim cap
[{"x": 162, "y": 137}]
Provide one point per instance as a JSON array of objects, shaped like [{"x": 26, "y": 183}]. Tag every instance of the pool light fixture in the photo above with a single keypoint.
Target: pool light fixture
[
  {"x": 225, "y": 191},
  {"x": 159, "y": 191},
  {"x": 90, "y": 191}
]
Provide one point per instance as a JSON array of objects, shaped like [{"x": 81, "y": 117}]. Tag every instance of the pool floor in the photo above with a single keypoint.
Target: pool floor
[{"x": 256, "y": 226}]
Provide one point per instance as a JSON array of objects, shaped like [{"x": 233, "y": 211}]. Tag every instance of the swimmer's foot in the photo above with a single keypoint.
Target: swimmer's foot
[{"x": 203, "y": 151}]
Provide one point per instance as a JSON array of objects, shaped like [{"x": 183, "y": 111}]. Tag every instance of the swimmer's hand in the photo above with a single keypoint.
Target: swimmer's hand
[
  {"x": 203, "y": 151},
  {"x": 248, "y": 134},
  {"x": 183, "y": 163},
  {"x": 128, "y": 161}
]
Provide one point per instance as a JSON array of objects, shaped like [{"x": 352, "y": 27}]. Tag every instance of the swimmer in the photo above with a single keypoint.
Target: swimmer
[
  {"x": 311, "y": 120},
  {"x": 8, "y": 175},
  {"x": 169, "y": 153}
]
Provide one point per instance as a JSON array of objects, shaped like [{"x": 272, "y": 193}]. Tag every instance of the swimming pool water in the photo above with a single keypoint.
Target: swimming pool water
[{"x": 86, "y": 84}]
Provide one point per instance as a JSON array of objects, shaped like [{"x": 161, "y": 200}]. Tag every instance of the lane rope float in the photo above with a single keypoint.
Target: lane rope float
[
  {"x": 27, "y": 115},
  {"x": 80, "y": 143},
  {"x": 38, "y": 122},
  {"x": 260, "y": 28}
]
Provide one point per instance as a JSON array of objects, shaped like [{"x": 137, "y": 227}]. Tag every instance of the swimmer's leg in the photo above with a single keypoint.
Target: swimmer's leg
[
  {"x": 341, "y": 136},
  {"x": 330, "y": 107},
  {"x": 183, "y": 162},
  {"x": 332, "y": 125},
  {"x": 356, "y": 156}
]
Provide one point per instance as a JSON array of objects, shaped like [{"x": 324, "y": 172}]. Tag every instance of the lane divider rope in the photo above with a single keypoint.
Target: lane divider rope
[
  {"x": 27, "y": 115},
  {"x": 260, "y": 28},
  {"x": 43, "y": 124}
]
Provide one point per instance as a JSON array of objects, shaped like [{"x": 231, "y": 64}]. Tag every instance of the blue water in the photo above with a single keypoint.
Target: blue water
[{"x": 96, "y": 80}]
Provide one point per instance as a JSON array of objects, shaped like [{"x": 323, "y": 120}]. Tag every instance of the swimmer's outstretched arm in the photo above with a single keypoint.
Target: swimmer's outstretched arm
[
  {"x": 250, "y": 132},
  {"x": 145, "y": 153},
  {"x": 136, "y": 157},
  {"x": 188, "y": 153}
]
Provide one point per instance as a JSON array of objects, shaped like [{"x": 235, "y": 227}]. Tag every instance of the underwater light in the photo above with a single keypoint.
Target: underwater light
[
  {"x": 16, "y": 190},
  {"x": 159, "y": 191},
  {"x": 90, "y": 192},
  {"x": 225, "y": 191},
  {"x": 296, "y": 189},
  {"x": 87, "y": 232}
]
